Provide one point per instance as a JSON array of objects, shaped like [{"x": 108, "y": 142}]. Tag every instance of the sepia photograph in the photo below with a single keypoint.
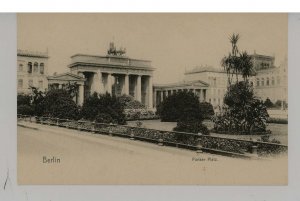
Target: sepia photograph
[{"x": 152, "y": 98}]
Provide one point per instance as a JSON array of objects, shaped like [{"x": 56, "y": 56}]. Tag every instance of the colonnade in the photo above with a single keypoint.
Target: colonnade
[{"x": 138, "y": 86}]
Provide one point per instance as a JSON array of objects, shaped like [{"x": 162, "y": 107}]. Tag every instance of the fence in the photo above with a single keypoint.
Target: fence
[{"x": 199, "y": 142}]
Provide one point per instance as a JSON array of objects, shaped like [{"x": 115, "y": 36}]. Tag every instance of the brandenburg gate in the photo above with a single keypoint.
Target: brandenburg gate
[{"x": 115, "y": 74}]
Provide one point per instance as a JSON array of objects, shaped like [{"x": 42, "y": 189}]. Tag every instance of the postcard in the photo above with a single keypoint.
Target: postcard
[{"x": 152, "y": 98}]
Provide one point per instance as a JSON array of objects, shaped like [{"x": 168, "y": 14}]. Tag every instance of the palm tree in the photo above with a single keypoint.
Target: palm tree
[
  {"x": 245, "y": 65},
  {"x": 237, "y": 63},
  {"x": 231, "y": 62},
  {"x": 72, "y": 89},
  {"x": 36, "y": 95},
  {"x": 233, "y": 40}
]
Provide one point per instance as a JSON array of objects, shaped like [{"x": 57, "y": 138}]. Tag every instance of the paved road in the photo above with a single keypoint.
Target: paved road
[{"x": 99, "y": 159}]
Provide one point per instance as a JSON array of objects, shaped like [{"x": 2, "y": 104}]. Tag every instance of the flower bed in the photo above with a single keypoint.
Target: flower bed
[{"x": 139, "y": 114}]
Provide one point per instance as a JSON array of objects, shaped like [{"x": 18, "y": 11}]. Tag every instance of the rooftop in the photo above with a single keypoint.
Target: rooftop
[
  {"x": 28, "y": 53},
  {"x": 66, "y": 76},
  {"x": 183, "y": 84},
  {"x": 262, "y": 56},
  {"x": 200, "y": 69},
  {"x": 109, "y": 60}
]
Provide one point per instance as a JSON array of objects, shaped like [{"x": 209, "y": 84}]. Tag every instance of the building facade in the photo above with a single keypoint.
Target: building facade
[
  {"x": 268, "y": 82},
  {"x": 32, "y": 69},
  {"x": 61, "y": 81}
]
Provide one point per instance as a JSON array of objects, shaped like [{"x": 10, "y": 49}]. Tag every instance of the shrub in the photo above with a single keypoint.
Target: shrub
[
  {"x": 139, "y": 114},
  {"x": 207, "y": 110},
  {"x": 275, "y": 141},
  {"x": 266, "y": 138},
  {"x": 277, "y": 120},
  {"x": 139, "y": 124},
  {"x": 23, "y": 99},
  {"x": 189, "y": 126},
  {"x": 179, "y": 104},
  {"x": 104, "y": 118},
  {"x": 25, "y": 110},
  {"x": 268, "y": 103},
  {"x": 192, "y": 126},
  {"x": 103, "y": 104},
  {"x": 59, "y": 104},
  {"x": 128, "y": 102},
  {"x": 278, "y": 104}
]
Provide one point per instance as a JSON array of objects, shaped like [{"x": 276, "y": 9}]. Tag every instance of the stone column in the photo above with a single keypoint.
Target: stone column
[
  {"x": 139, "y": 88},
  {"x": 81, "y": 94},
  {"x": 154, "y": 98},
  {"x": 101, "y": 84},
  {"x": 126, "y": 85},
  {"x": 161, "y": 96},
  {"x": 96, "y": 85},
  {"x": 109, "y": 83},
  {"x": 150, "y": 91},
  {"x": 200, "y": 95}
]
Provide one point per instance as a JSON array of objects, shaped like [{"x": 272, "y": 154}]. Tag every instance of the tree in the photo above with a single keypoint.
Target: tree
[
  {"x": 24, "y": 106},
  {"x": 237, "y": 62},
  {"x": 103, "y": 108},
  {"x": 72, "y": 89},
  {"x": 242, "y": 111},
  {"x": 179, "y": 105},
  {"x": 36, "y": 95},
  {"x": 245, "y": 65},
  {"x": 59, "y": 104},
  {"x": 207, "y": 110},
  {"x": 23, "y": 99}
]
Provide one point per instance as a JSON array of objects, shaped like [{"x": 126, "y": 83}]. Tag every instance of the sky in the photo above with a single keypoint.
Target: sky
[{"x": 173, "y": 42}]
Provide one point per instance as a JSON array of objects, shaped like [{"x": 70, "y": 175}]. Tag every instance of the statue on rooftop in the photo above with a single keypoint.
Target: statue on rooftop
[{"x": 112, "y": 51}]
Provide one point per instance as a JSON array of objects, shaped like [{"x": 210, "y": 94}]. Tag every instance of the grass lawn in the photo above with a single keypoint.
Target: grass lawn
[{"x": 279, "y": 131}]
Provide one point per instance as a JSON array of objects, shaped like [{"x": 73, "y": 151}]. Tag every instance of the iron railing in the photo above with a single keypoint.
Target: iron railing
[{"x": 199, "y": 142}]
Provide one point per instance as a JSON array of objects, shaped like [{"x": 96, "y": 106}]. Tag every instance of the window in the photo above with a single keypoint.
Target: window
[
  {"x": 273, "y": 81},
  {"x": 257, "y": 82},
  {"x": 41, "y": 84},
  {"x": 42, "y": 68},
  {"x": 278, "y": 80},
  {"x": 262, "y": 81},
  {"x": 29, "y": 67},
  {"x": 20, "y": 68},
  {"x": 268, "y": 82},
  {"x": 30, "y": 83},
  {"x": 20, "y": 83},
  {"x": 35, "y": 67}
]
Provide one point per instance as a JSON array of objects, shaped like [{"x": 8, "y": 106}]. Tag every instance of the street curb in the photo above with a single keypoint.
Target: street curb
[{"x": 25, "y": 126}]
